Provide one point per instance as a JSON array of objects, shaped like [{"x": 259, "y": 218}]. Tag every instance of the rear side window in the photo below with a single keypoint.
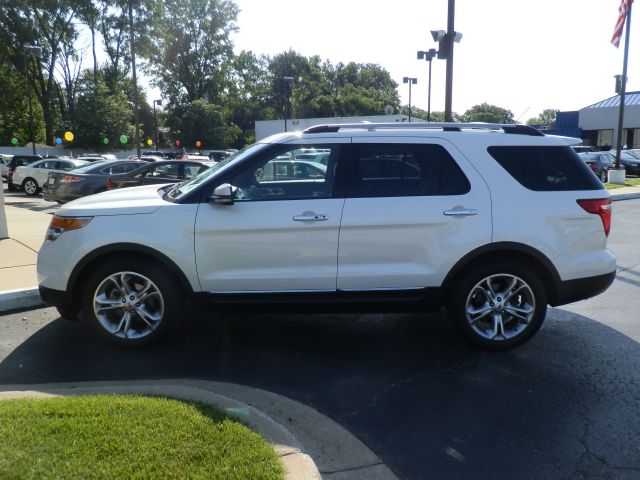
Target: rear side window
[
  {"x": 544, "y": 169},
  {"x": 405, "y": 170}
]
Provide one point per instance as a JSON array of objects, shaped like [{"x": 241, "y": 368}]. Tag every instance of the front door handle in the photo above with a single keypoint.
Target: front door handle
[
  {"x": 460, "y": 212},
  {"x": 311, "y": 217}
]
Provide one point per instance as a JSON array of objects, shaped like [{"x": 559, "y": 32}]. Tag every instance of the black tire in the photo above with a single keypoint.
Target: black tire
[
  {"x": 165, "y": 303},
  {"x": 470, "y": 292},
  {"x": 603, "y": 176},
  {"x": 30, "y": 187},
  {"x": 68, "y": 313}
]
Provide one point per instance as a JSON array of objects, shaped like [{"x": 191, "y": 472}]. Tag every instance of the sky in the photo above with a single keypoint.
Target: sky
[{"x": 521, "y": 55}]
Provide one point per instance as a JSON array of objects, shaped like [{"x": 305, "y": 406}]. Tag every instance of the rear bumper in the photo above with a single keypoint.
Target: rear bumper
[{"x": 573, "y": 290}]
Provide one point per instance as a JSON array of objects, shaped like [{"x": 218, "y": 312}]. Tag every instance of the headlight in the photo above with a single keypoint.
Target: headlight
[{"x": 59, "y": 225}]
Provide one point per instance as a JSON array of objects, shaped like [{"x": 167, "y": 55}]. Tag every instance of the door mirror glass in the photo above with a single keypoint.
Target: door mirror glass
[{"x": 223, "y": 194}]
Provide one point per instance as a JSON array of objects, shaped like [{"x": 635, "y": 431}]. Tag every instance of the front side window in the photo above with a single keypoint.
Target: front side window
[
  {"x": 289, "y": 174},
  {"x": 164, "y": 171},
  {"x": 405, "y": 170}
]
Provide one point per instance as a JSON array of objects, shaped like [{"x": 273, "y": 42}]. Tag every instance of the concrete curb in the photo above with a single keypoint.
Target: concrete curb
[
  {"x": 625, "y": 196},
  {"x": 309, "y": 444},
  {"x": 20, "y": 299}
]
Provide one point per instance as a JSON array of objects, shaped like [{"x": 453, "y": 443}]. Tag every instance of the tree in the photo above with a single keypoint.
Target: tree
[
  {"x": 100, "y": 114},
  {"x": 487, "y": 113},
  {"x": 547, "y": 117},
  {"x": 201, "y": 120},
  {"x": 49, "y": 24},
  {"x": 190, "y": 49}
]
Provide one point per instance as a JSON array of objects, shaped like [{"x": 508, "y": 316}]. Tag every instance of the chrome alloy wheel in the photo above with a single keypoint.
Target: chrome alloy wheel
[
  {"x": 128, "y": 305},
  {"x": 30, "y": 187},
  {"x": 500, "y": 307}
]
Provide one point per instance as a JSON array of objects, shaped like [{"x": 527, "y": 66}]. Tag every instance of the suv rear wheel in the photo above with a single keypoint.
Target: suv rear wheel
[
  {"x": 498, "y": 306},
  {"x": 131, "y": 302}
]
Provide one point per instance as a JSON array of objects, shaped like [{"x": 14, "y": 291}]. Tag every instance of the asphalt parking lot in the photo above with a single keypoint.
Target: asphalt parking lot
[{"x": 563, "y": 406}]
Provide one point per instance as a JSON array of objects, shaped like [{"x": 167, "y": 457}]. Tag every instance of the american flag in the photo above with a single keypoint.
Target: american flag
[{"x": 622, "y": 16}]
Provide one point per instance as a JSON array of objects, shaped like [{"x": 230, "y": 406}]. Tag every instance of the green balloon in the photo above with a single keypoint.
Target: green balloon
[
  {"x": 124, "y": 139},
  {"x": 105, "y": 141},
  {"x": 14, "y": 141}
]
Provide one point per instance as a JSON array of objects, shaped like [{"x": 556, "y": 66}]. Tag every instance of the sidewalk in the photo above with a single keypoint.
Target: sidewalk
[{"x": 27, "y": 228}]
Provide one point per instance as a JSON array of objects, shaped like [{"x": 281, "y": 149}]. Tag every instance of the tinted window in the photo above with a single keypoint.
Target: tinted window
[
  {"x": 546, "y": 168},
  {"x": 120, "y": 168},
  {"x": 400, "y": 170}
]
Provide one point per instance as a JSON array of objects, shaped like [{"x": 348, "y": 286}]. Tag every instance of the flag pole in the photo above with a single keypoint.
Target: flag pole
[{"x": 623, "y": 88}]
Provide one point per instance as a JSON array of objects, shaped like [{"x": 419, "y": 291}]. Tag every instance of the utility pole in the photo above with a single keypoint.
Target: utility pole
[
  {"x": 135, "y": 81},
  {"x": 448, "y": 117}
]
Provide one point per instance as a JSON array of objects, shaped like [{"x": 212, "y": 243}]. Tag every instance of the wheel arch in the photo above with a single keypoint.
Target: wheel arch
[
  {"x": 524, "y": 254},
  {"x": 84, "y": 266}
]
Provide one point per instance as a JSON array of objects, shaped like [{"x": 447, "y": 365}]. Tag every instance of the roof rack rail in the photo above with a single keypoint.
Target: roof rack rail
[{"x": 444, "y": 126}]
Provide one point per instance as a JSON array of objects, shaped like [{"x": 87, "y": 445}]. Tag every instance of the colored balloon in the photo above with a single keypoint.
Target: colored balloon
[
  {"x": 14, "y": 141},
  {"x": 198, "y": 143},
  {"x": 58, "y": 140},
  {"x": 149, "y": 141},
  {"x": 105, "y": 141},
  {"x": 178, "y": 143},
  {"x": 124, "y": 139},
  {"x": 68, "y": 136}
]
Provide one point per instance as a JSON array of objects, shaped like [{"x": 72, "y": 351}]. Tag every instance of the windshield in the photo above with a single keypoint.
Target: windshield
[{"x": 181, "y": 189}]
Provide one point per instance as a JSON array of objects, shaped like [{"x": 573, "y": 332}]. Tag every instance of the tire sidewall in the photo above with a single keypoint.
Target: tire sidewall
[
  {"x": 456, "y": 306},
  {"x": 160, "y": 276}
]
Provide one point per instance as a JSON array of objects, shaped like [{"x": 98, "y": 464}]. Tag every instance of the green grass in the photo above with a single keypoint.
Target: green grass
[
  {"x": 628, "y": 183},
  {"x": 112, "y": 437}
]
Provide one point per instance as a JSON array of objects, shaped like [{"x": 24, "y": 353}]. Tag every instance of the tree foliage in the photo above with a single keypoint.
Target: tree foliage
[
  {"x": 546, "y": 117},
  {"x": 487, "y": 113}
]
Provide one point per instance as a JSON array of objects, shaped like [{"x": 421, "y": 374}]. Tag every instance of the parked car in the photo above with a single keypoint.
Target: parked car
[
  {"x": 218, "y": 155},
  {"x": 168, "y": 171},
  {"x": 494, "y": 222},
  {"x": 32, "y": 177},
  {"x": 86, "y": 180},
  {"x": 91, "y": 158},
  {"x": 4, "y": 165},
  {"x": 155, "y": 153},
  {"x": 584, "y": 148},
  {"x": 598, "y": 162},
  {"x": 631, "y": 165},
  {"x": 15, "y": 162}
]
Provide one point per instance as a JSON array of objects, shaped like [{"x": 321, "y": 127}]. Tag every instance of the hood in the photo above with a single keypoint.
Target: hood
[{"x": 123, "y": 201}]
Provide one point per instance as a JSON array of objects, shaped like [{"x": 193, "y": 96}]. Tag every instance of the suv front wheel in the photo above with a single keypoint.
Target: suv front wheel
[
  {"x": 498, "y": 306},
  {"x": 131, "y": 302}
]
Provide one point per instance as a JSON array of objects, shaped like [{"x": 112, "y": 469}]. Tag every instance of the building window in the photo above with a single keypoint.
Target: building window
[{"x": 605, "y": 138}]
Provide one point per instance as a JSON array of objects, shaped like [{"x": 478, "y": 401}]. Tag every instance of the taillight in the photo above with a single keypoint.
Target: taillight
[
  {"x": 599, "y": 206},
  {"x": 70, "y": 179},
  {"x": 108, "y": 183},
  {"x": 593, "y": 166}
]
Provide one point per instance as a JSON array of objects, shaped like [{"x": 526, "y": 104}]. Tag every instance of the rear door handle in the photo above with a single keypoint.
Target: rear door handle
[
  {"x": 461, "y": 212},
  {"x": 311, "y": 217}
]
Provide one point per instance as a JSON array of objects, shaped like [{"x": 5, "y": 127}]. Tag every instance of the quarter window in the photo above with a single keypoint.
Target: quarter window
[{"x": 405, "y": 170}]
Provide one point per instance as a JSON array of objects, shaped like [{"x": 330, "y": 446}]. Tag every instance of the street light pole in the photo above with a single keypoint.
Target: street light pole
[
  {"x": 155, "y": 119},
  {"x": 428, "y": 56},
  {"x": 410, "y": 81},
  {"x": 36, "y": 52},
  {"x": 286, "y": 95},
  {"x": 135, "y": 81}
]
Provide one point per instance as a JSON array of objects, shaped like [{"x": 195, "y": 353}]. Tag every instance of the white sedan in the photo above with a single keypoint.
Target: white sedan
[{"x": 31, "y": 177}]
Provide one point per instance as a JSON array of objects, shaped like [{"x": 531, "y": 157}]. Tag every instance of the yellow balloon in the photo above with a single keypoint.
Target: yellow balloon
[
  {"x": 68, "y": 136},
  {"x": 149, "y": 141}
]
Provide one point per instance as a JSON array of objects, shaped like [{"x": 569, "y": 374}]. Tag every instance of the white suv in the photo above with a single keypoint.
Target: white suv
[{"x": 492, "y": 221}]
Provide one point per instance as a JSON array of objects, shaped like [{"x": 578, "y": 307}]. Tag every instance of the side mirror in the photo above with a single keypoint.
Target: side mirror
[{"x": 223, "y": 194}]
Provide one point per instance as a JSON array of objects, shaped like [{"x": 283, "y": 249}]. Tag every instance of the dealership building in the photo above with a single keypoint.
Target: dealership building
[{"x": 597, "y": 124}]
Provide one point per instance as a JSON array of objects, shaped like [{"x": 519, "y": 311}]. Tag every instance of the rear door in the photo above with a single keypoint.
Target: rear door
[{"x": 412, "y": 210}]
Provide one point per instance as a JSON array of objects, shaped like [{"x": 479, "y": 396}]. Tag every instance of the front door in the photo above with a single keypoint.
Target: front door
[{"x": 281, "y": 233}]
